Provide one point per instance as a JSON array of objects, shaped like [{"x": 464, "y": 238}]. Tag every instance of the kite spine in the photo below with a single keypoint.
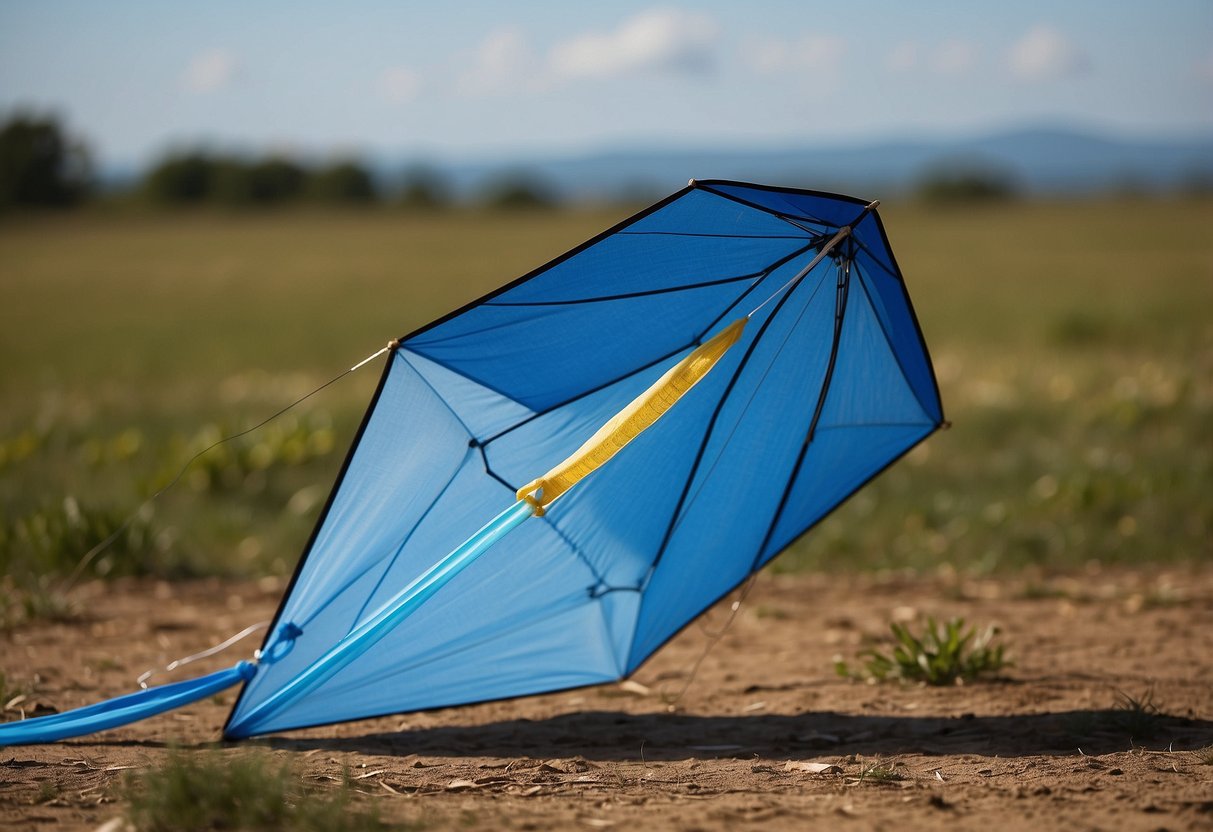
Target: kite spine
[{"x": 363, "y": 637}]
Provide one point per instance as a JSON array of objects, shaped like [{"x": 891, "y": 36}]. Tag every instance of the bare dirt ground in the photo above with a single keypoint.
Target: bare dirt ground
[{"x": 1053, "y": 744}]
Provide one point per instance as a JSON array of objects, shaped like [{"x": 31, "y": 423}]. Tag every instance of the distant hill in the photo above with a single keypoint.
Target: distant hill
[{"x": 1040, "y": 161}]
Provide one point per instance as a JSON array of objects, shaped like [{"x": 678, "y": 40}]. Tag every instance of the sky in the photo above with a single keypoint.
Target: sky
[{"x": 485, "y": 80}]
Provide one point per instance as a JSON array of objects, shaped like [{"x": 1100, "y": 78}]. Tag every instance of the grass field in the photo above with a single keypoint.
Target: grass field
[{"x": 1073, "y": 344}]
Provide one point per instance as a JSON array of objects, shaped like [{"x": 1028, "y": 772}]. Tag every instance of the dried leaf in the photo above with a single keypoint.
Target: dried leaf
[{"x": 812, "y": 768}]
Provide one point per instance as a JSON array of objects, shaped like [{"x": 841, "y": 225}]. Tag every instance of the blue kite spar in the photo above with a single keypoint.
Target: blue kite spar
[{"x": 707, "y": 380}]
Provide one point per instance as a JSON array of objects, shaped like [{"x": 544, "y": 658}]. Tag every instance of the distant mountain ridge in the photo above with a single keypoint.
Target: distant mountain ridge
[{"x": 1041, "y": 161}]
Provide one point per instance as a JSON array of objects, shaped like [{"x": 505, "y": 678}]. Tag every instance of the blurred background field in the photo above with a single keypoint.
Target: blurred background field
[
  {"x": 1072, "y": 340},
  {"x": 207, "y": 212}
]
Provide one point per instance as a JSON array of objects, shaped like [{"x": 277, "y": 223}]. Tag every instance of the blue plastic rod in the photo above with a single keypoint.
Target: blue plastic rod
[
  {"x": 382, "y": 621},
  {"x": 123, "y": 709}
]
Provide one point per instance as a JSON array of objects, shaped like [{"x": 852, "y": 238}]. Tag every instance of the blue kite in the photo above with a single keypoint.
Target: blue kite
[{"x": 667, "y": 407}]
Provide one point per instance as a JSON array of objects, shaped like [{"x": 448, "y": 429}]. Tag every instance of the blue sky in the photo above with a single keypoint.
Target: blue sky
[{"x": 487, "y": 79}]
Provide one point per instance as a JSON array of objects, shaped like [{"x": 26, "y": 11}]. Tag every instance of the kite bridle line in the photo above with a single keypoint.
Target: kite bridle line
[
  {"x": 842, "y": 234},
  {"x": 92, "y": 553},
  {"x": 202, "y": 654}
]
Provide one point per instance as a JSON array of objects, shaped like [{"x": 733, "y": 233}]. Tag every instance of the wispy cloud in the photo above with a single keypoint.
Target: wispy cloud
[
  {"x": 1204, "y": 67},
  {"x": 210, "y": 71},
  {"x": 503, "y": 61},
  {"x": 954, "y": 57},
  {"x": 399, "y": 84},
  {"x": 658, "y": 41},
  {"x": 903, "y": 58},
  {"x": 1045, "y": 54},
  {"x": 810, "y": 53}
]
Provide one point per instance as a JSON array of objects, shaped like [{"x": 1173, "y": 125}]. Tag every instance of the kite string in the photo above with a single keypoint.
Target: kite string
[
  {"x": 713, "y": 639},
  {"x": 92, "y": 553}
]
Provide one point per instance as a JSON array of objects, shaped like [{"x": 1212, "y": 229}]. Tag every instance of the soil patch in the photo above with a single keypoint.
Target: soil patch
[{"x": 1057, "y": 741}]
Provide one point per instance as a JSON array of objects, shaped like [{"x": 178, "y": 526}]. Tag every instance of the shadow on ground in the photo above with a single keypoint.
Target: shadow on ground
[{"x": 608, "y": 735}]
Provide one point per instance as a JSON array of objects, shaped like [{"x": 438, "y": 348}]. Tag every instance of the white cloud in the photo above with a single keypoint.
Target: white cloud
[
  {"x": 399, "y": 84},
  {"x": 954, "y": 57},
  {"x": 815, "y": 53},
  {"x": 655, "y": 41},
  {"x": 1045, "y": 54},
  {"x": 210, "y": 71},
  {"x": 903, "y": 58},
  {"x": 503, "y": 61},
  {"x": 1204, "y": 67}
]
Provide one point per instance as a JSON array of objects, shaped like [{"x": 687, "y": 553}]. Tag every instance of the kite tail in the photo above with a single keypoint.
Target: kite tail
[{"x": 122, "y": 710}]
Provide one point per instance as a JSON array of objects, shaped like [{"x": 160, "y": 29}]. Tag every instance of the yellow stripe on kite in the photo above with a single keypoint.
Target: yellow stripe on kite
[{"x": 630, "y": 422}]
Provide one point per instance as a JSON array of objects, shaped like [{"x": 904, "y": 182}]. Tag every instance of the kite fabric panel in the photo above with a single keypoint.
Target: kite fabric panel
[{"x": 829, "y": 384}]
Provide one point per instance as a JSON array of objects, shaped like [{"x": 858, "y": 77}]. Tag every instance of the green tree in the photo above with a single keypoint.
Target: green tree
[
  {"x": 966, "y": 181},
  {"x": 231, "y": 182},
  {"x": 343, "y": 182},
  {"x": 39, "y": 165},
  {"x": 276, "y": 180},
  {"x": 424, "y": 188},
  {"x": 181, "y": 178},
  {"x": 519, "y": 191}
]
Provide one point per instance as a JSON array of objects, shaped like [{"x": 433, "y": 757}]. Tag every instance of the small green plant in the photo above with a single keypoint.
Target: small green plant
[
  {"x": 33, "y": 599},
  {"x": 207, "y": 791},
  {"x": 880, "y": 772},
  {"x": 240, "y": 465},
  {"x": 1136, "y": 716},
  {"x": 940, "y": 656},
  {"x": 48, "y": 791},
  {"x": 52, "y": 539}
]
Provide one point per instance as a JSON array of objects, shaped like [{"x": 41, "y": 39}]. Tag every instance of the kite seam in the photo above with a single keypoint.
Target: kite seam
[
  {"x": 889, "y": 342},
  {"x": 841, "y": 298}
]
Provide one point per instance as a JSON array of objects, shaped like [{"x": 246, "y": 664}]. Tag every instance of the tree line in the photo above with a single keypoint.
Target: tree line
[{"x": 42, "y": 167}]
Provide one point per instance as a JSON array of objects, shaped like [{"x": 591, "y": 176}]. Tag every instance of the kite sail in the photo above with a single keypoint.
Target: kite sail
[{"x": 702, "y": 383}]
